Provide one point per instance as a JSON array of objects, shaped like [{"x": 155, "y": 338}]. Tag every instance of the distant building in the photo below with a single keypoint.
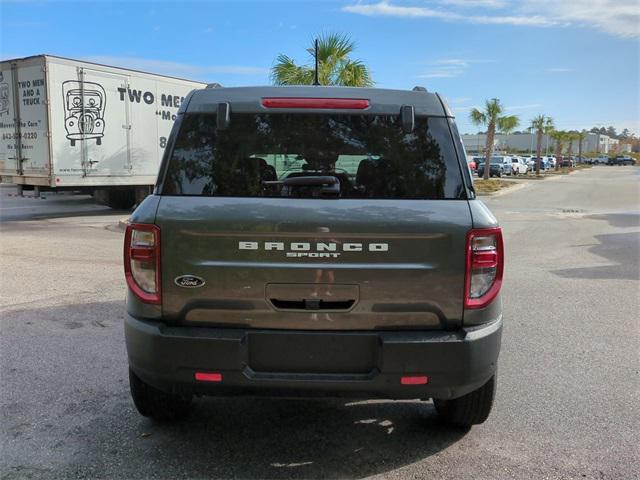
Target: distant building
[
  {"x": 527, "y": 142},
  {"x": 597, "y": 143},
  {"x": 516, "y": 142}
]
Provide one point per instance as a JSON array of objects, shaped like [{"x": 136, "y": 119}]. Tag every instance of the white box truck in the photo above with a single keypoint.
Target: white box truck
[{"x": 74, "y": 125}]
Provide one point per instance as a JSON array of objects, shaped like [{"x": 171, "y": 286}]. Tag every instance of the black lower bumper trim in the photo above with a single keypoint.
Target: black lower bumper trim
[{"x": 365, "y": 364}]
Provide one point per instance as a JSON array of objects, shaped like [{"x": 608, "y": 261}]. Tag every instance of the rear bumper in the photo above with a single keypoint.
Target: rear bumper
[{"x": 366, "y": 364}]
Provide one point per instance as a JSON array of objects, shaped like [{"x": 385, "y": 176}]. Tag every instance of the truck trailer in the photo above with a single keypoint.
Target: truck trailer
[{"x": 74, "y": 125}]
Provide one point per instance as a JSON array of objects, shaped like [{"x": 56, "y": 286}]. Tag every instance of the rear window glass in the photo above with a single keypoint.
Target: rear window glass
[{"x": 260, "y": 155}]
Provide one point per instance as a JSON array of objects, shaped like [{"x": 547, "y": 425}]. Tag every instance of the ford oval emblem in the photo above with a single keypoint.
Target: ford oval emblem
[{"x": 189, "y": 281}]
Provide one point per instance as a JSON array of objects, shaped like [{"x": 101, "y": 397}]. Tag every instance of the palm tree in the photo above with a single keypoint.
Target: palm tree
[
  {"x": 571, "y": 137},
  {"x": 580, "y": 136},
  {"x": 493, "y": 119},
  {"x": 560, "y": 136},
  {"x": 335, "y": 67},
  {"x": 542, "y": 125}
]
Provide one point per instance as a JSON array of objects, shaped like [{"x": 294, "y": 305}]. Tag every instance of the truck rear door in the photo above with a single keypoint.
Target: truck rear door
[
  {"x": 332, "y": 222},
  {"x": 91, "y": 129},
  {"x": 24, "y": 144}
]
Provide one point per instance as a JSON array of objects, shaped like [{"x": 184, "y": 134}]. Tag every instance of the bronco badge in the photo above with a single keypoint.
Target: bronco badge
[{"x": 189, "y": 281}]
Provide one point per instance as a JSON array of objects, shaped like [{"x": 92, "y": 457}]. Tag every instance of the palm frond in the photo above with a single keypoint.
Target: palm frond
[
  {"x": 334, "y": 65},
  {"x": 507, "y": 123},
  {"x": 477, "y": 117},
  {"x": 286, "y": 72},
  {"x": 333, "y": 47},
  {"x": 541, "y": 124},
  {"x": 493, "y": 109},
  {"x": 537, "y": 123},
  {"x": 354, "y": 73}
]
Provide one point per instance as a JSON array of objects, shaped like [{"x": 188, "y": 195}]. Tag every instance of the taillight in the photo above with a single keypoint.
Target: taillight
[
  {"x": 320, "y": 103},
  {"x": 485, "y": 266},
  {"x": 142, "y": 261}
]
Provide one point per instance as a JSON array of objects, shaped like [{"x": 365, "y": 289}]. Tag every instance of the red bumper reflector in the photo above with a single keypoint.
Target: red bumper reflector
[
  {"x": 416, "y": 380},
  {"x": 328, "y": 103},
  {"x": 208, "y": 377}
]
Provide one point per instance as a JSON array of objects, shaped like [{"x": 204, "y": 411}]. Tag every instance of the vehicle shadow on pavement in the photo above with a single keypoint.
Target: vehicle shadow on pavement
[
  {"x": 615, "y": 248},
  {"x": 286, "y": 438},
  {"x": 620, "y": 220},
  {"x": 87, "y": 423}
]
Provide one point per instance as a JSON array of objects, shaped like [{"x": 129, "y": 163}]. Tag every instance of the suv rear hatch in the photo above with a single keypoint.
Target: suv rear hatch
[{"x": 313, "y": 221}]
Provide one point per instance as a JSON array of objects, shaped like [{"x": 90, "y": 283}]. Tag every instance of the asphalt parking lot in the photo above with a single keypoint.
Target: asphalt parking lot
[{"x": 569, "y": 386}]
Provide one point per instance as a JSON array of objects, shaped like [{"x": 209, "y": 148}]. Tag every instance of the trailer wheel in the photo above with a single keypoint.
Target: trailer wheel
[
  {"x": 73, "y": 143},
  {"x": 121, "y": 199},
  {"x": 98, "y": 141}
]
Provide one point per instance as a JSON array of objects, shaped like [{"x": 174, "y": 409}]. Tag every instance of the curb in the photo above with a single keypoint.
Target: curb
[{"x": 504, "y": 191}]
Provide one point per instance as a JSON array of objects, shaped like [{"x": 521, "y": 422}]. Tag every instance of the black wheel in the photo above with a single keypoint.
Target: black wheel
[
  {"x": 98, "y": 141},
  {"x": 72, "y": 142},
  {"x": 121, "y": 199},
  {"x": 156, "y": 404},
  {"x": 470, "y": 409}
]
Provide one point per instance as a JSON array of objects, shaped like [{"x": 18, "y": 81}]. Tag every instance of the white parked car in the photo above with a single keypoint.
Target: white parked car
[
  {"x": 519, "y": 165},
  {"x": 552, "y": 161}
]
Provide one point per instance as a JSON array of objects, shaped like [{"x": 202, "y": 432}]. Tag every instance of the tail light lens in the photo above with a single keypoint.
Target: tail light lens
[
  {"x": 485, "y": 266},
  {"x": 142, "y": 261}
]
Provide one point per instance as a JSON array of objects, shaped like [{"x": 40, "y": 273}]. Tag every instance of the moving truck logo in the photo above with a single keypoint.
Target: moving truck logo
[
  {"x": 84, "y": 104},
  {"x": 4, "y": 96}
]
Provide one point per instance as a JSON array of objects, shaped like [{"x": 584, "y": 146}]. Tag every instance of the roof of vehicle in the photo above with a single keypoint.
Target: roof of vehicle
[{"x": 382, "y": 101}]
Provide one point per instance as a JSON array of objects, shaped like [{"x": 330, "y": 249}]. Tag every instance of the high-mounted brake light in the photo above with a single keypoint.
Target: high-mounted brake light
[
  {"x": 142, "y": 261},
  {"x": 484, "y": 267},
  {"x": 320, "y": 103}
]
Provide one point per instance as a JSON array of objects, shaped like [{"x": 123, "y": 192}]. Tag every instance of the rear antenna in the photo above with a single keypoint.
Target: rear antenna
[{"x": 316, "y": 82}]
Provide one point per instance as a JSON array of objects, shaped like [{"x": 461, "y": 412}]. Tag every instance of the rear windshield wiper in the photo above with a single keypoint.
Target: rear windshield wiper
[
  {"x": 329, "y": 183},
  {"x": 307, "y": 180}
]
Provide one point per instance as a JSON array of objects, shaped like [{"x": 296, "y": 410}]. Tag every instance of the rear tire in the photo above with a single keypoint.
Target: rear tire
[
  {"x": 470, "y": 409},
  {"x": 156, "y": 404}
]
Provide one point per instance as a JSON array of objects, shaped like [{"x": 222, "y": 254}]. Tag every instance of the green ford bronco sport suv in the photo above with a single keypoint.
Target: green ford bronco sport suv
[{"x": 306, "y": 241}]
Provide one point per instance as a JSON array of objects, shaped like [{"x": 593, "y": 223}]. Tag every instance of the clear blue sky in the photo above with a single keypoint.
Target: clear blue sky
[{"x": 577, "y": 60}]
